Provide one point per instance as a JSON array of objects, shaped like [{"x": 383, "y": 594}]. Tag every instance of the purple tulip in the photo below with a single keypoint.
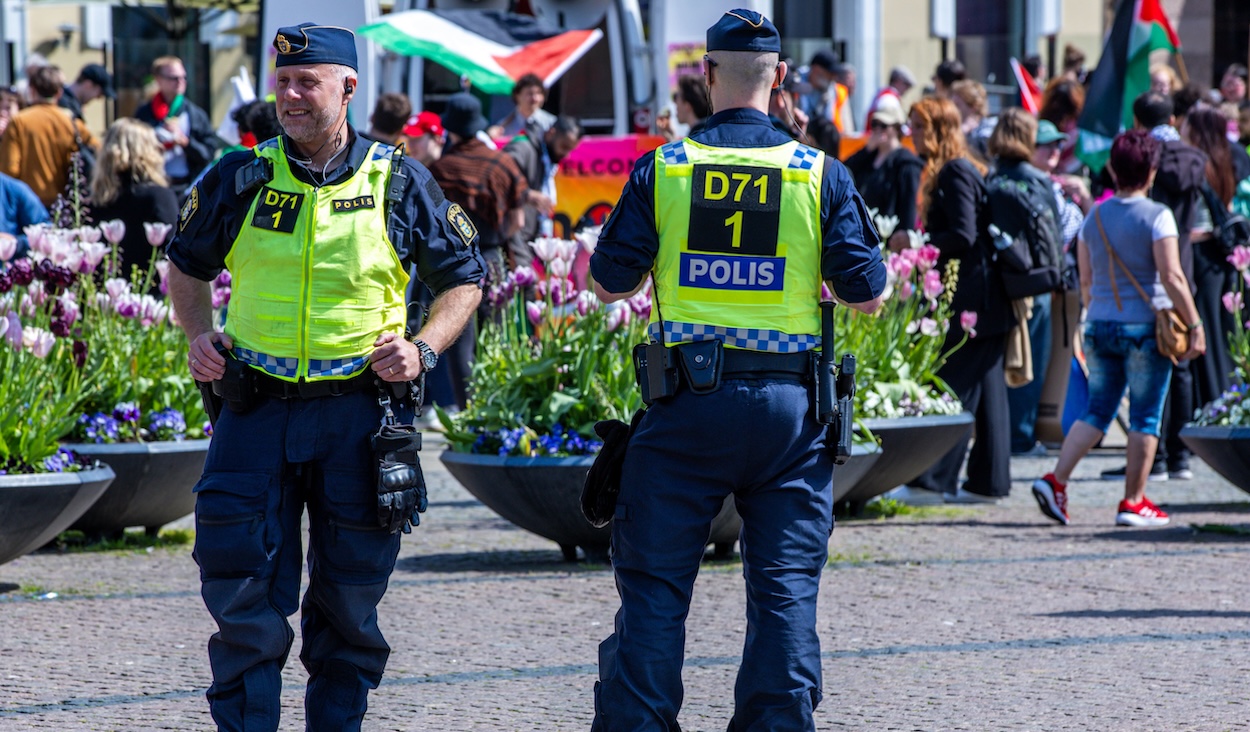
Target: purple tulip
[{"x": 534, "y": 311}]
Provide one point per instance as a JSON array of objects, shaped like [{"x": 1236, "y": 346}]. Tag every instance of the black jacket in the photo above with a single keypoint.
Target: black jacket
[
  {"x": 891, "y": 188},
  {"x": 134, "y": 205},
  {"x": 202, "y": 142},
  {"x": 957, "y": 224},
  {"x": 1178, "y": 185}
]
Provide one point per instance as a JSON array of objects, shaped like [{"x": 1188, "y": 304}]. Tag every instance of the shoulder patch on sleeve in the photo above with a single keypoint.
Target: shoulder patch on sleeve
[
  {"x": 459, "y": 221},
  {"x": 190, "y": 208}
]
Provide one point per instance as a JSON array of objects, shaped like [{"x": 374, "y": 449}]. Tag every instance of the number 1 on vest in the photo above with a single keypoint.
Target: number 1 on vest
[{"x": 735, "y": 223}]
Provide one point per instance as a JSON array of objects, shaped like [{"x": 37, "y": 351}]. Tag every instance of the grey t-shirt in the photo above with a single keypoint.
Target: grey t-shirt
[{"x": 1132, "y": 225}]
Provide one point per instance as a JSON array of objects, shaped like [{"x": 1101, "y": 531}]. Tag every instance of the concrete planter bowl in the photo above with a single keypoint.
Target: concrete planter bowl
[
  {"x": 35, "y": 508},
  {"x": 909, "y": 445},
  {"x": 543, "y": 496},
  {"x": 1225, "y": 449},
  {"x": 153, "y": 486}
]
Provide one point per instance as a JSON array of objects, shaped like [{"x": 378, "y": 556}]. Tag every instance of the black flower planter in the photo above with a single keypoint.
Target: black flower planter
[
  {"x": 1225, "y": 449},
  {"x": 543, "y": 496},
  {"x": 909, "y": 446},
  {"x": 153, "y": 486},
  {"x": 35, "y": 508}
]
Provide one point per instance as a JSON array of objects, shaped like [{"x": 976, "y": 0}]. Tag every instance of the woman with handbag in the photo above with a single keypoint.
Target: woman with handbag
[{"x": 1132, "y": 333}]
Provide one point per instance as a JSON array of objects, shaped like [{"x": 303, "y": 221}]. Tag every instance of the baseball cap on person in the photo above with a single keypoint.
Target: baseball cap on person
[
  {"x": 825, "y": 59},
  {"x": 98, "y": 75},
  {"x": 309, "y": 43},
  {"x": 464, "y": 115},
  {"x": 744, "y": 30},
  {"x": 889, "y": 111},
  {"x": 424, "y": 123},
  {"x": 1048, "y": 133}
]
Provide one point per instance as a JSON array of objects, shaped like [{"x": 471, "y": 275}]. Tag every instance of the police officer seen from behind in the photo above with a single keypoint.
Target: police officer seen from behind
[
  {"x": 319, "y": 256},
  {"x": 738, "y": 225}
]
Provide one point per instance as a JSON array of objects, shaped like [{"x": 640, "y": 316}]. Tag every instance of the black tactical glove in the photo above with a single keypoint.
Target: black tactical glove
[
  {"x": 401, "y": 484},
  {"x": 603, "y": 480}
]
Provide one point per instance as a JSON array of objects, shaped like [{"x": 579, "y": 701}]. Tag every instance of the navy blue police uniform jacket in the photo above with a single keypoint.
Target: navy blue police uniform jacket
[
  {"x": 444, "y": 257},
  {"x": 850, "y": 258}
]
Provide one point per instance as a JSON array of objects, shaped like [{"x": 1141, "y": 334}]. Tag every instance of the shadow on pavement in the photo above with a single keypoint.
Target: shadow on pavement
[
  {"x": 1127, "y": 613},
  {"x": 1180, "y": 534},
  {"x": 507, "y": 560}
]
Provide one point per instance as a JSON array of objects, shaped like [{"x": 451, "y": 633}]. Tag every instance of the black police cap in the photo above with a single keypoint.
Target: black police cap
[
  {"x": 744, "y": 30},
  {"x": 309, "y": 43}
]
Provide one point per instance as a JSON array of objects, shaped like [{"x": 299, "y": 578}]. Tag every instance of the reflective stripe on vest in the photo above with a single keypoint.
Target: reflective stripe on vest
[
  {"x": 315, "y": 279},
  {"x": 740, "y": 245}
]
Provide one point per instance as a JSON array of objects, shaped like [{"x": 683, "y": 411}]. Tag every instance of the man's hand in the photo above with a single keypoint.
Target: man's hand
[
  {"x": 205, "y": 362},
  {"x": 540, "y": 201},
  {"x": 395, "y": 358}
]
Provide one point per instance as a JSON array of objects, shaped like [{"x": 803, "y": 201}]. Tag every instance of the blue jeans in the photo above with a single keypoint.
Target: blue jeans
[
  {"x": 1023, "y": 401},
  {"x": 1121, "y": 355}
]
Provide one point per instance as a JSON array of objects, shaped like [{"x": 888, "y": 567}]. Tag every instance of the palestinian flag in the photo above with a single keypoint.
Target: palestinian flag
[
  {"x": 492, "y": 48},
  {"x": 1123, "y": 74}
]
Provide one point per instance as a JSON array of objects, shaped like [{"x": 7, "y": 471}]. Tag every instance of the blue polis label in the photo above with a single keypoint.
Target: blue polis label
[{"x": 721, "y": 272}]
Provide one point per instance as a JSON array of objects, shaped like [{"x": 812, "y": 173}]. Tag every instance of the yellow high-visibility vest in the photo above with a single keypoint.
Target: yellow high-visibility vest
[
  {"x": 740, "y": 245},
  {"x": 315, "y": 279}
]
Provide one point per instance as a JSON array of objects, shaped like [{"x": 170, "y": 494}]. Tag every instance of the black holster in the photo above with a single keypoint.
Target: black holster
[
  {"x": 237, "y": 388},
  {"x": 661, "y": 370},
  {"x": 401, "y": 484}
]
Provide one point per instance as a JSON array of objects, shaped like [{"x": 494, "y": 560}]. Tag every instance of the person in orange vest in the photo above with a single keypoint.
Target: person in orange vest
[{"x": 830, "y": 97}]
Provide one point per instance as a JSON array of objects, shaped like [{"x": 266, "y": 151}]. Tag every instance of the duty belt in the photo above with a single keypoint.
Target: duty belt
[
  {"x": 279, "y": 389},
  {"x": 741, "y": 364}
]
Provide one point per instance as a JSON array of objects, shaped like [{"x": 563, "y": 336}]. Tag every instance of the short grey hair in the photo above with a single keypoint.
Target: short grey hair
[{"x": 745, "y": 70}]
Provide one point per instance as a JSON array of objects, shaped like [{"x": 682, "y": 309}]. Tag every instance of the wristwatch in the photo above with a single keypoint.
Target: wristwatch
[{"x": 429, "y": 359}]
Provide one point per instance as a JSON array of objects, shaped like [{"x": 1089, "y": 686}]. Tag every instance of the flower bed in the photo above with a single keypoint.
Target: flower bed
[{"x": 1232, "y": 408}]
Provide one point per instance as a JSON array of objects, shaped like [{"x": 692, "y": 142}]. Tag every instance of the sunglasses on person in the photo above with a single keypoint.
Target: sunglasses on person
[
  {"x": 878, "y": 126},
  {"x": 171, "y": 77}
]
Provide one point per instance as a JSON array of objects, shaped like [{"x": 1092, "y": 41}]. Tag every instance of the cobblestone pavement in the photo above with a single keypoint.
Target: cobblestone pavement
[{"x": 958, "y": 618}]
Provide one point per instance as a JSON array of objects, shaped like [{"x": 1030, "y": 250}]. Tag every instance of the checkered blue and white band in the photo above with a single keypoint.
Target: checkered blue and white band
[
  {"x": 289, "y": 367},
  {"x": 751, "y": 339}
]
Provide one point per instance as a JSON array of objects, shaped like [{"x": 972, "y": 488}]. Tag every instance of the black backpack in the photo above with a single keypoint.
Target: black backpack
[{"x": 1028, "y": 246}]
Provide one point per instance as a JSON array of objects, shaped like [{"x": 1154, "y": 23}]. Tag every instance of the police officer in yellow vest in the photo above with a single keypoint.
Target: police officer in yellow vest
[
  {"x": 317, "y": 228},
  {"x": 738, "y": 225}
]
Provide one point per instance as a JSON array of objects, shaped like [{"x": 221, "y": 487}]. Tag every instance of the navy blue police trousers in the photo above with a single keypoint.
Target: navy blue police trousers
[
  {"x": 759, "y": 440},
  {"x": 263, "y": 469}
]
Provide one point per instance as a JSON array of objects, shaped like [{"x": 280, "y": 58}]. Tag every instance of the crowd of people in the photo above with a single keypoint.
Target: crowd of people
[{"x": 1186, "y": 154}]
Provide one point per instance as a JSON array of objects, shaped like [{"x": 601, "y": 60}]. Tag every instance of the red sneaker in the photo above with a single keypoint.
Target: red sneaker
[
  {"x": 1052, "y": 497},
  {"x": 1141, "y": 514}
]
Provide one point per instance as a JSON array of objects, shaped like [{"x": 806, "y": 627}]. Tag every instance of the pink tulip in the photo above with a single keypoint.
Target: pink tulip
[
  {"x": 968, "y": 321},
  {"x": 1232, "y": 302},
  {"x": 545, "y": 248},
  {"x": 1240, "y": 258},
  {"x": 162, "y": 269},
  {"x": 156, "y": 232},
  {"x": 116, "y": 287},
  {"x": 901, "y": 266},
  {"x": 13, "y": 329},
  {"x": 906, "y": 290},
  {"x": 586, "y": 302},
  {"x": 926, "y": 257},
  {"x": 35, "y": 235},
  {"x": 223, "y": 279},
  {"x": 930, "y": 327},
  {"x": 114, "y": 231},
  {"x": 523, "y": 276},
  {"x": 616, "y": 317},
  {"x": 89, "y": 234},
  {"x": 221, "y": 297},
  {"x": 826, "y": 295},
  {"x": 566, "y": 249},
  {"x": 559, "y": 268},
  {"x": 8, "y": 247},
  {"x": 641, "y": 305},
  {"x": 38, "y": 341},
  {"x": 69, "y": 308},
  {"x": 92, "y": 254},
  {"x": 932, "y": 284},
  {"x": 534, "y": 311}
]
